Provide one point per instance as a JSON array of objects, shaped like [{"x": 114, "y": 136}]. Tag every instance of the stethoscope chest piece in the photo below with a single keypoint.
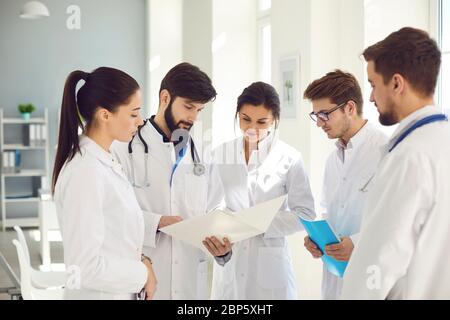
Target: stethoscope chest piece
[{"x": 199, "y": 169}]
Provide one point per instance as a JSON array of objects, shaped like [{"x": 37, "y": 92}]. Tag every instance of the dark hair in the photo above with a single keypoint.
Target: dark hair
[
  {"x": 105, "y": 87},
  {"x": 260, "y": 93},
  {"x": 188, "y": 81},
  {"x": 411, "y": 53},
  {"x": 339, "y": 87}
]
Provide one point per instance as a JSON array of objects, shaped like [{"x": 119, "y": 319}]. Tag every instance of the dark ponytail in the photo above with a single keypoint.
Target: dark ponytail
[{"x": 107, "y": 88}]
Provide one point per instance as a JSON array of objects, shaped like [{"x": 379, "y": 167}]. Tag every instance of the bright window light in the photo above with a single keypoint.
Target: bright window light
[
  {"x": 265, "y": 5},
  {"x": 266, "y": 54},
  {"x": 445, "y": 45}
]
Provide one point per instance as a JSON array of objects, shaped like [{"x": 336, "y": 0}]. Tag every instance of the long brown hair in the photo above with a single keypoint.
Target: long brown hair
[{"x": 105, "y": 87}]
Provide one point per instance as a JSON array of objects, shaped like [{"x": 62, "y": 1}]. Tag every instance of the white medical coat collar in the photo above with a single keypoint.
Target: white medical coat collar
[
  {"x": 413, "y": 118},
  {"x": 358, "y": 139},
  {"x": 156, "y": 132},
  {"x": 98, "y": 152},
  {"x": 263, "y": 150}
]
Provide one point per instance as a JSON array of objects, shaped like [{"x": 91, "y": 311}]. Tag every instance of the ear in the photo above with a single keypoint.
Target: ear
[
  {"x": 352, "y": 108},
  {"x": 103, "y": 114},
  {"x": 398, "y": 83},
  {"x": 164, "y": 98}
]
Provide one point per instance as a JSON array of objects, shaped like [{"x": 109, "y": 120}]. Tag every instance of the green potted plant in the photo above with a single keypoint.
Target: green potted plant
[{"x": 26, "y": 110}]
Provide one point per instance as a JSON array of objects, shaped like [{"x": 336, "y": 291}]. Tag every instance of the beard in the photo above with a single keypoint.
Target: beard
[
  {"x": 172, "y": 124},
  {"x": 389, "y": 117},
  {"x": 342, "y": 130}
]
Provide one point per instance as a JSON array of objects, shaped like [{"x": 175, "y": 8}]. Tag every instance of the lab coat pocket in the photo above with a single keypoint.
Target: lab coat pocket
[
  {"x": 273, "y": 267},
  {"x": 195, "y": 192},
  {"x": 202, "y": 281}
]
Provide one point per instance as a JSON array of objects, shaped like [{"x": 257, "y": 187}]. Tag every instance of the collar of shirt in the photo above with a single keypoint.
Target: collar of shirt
[
  {"x": 164, "y": 137},
  {"x": 411, "y": 120},
  {"x": 258, "y": 156},
  {"x": 357, "y": 140},
  {"x": 93, "y": 148}
]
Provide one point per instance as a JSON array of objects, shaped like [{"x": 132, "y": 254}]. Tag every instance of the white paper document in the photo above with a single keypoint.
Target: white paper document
[{"x": 236, "y": 226}]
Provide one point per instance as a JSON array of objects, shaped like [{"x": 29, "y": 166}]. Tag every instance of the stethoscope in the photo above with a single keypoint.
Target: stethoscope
[
  {"x": 198, "y": 170},
  {"x": 418, "y": 124}
]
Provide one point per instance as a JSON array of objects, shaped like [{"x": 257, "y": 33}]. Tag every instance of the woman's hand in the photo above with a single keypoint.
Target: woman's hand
[{"x": 150, "y": 285}]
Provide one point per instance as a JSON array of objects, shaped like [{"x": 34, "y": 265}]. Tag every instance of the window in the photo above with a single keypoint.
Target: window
[
  {"x": 264, "y": 41},
  {"x": 444, "y": 41},
  {"x": 264, "y": 5}
]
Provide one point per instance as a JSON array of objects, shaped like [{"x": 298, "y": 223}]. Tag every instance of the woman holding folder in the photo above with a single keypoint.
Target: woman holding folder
[{"x": 255, "y": 168}]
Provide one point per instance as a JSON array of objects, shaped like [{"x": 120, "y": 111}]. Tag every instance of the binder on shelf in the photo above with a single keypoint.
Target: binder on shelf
[
  {"x": 37, "y": 142},
  {"x": 9, "y": 161},
  {"x": 43, "y": 134},
  {"x": 32, "y": 135},
  {"x": 5, "y": 160}
]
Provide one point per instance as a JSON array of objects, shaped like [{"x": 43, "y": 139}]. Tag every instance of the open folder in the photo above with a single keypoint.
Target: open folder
[
  {"x": 236, "y": 226},
  {"x": 322, "y": 235}
]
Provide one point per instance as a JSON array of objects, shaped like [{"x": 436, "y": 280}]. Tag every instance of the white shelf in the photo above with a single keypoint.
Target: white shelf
[
  {"x": 21, "y": 222},
  {"x": 22, "y": 121},
  {"x": 22, "y": 200},
  {"x": 10, "y": 208},
  {"x": 25, "y": 173},
  {"x": 10, "y": 147}
]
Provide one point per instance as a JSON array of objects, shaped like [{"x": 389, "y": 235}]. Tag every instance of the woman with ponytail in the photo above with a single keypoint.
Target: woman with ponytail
[{"x": 101, "y": 223}]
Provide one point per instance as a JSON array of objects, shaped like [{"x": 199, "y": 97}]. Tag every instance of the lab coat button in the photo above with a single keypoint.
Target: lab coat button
[
  {"x": 176, "y": 262},
  {"x": 242, "y": 275}
]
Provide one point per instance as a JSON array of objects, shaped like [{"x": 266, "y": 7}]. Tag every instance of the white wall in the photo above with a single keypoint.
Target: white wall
[
  {"x": 383, "y": 17},
  {"x": 234, "y": 61},
  {"x": 165, "y": 44}
]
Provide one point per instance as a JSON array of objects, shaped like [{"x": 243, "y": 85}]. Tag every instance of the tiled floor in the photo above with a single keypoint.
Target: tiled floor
[{"x": 9, "y": 252}]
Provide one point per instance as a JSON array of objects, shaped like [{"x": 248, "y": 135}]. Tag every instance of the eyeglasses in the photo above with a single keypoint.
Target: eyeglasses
[{"x": 324, "y": 115}]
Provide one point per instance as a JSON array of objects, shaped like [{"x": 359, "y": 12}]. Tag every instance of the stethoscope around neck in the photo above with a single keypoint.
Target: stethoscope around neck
[{"x": 198, "y": 170}]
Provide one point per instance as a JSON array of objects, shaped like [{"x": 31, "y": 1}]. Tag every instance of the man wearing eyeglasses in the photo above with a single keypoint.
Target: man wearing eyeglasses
[{"x": 338, "y": 110}]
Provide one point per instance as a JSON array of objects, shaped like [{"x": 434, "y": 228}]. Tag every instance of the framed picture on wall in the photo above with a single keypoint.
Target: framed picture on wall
[{"x": 290, "y": 86}]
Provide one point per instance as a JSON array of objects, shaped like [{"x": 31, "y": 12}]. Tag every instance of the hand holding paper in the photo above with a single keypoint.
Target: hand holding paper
[{"x": 234, "y": 226}]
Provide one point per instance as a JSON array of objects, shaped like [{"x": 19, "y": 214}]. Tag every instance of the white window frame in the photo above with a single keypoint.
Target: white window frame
[{"x": 436, "y": 31}]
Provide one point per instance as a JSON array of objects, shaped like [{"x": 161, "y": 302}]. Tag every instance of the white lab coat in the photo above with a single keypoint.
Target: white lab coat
[
  {"x": 181, "y": 269},
  {"x": 261, "y": 267},
  {"x": 402, "y": 252},
  {"x": 348, "y": 170},
  {"x": 101, "y": 225}
]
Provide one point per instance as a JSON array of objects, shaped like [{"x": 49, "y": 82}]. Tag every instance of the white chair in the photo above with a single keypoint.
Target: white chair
[
  {"x": 30, "y": 292},
  {"x": 48, "y": 221},
  {"x": 40, "y": 279}
]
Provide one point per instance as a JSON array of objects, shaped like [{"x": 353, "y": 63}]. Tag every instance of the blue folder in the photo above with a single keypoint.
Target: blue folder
[{"x": 322, "y": 235}]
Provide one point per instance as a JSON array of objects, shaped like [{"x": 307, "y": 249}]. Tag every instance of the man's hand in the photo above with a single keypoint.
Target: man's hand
[
  {"x": 313, "y": 248},
  {"x": 217, "y": 248},
  {"x": 168, "y": 220},
  {"x": 341, "y": 251}
]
